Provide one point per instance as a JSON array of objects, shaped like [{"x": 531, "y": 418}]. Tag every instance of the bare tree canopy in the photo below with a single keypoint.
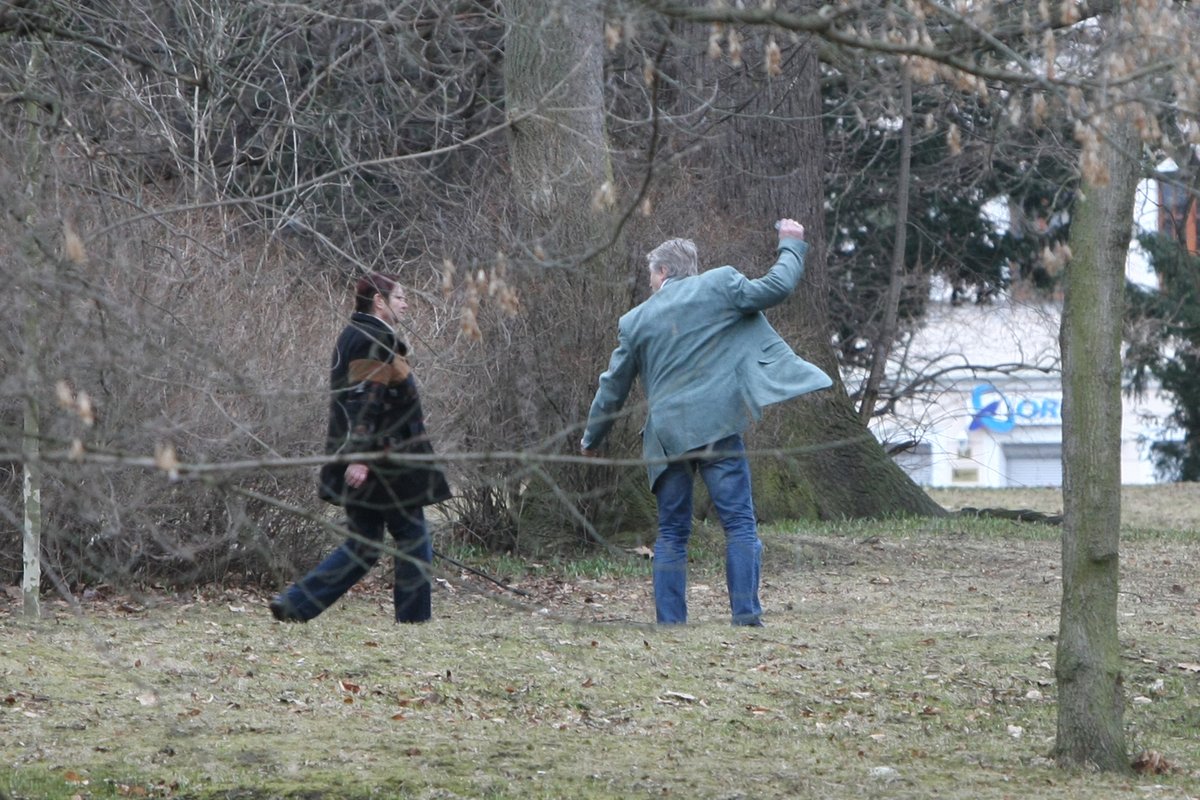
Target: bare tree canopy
[
  {"x": 187, "y": 188},
  {"x": 210, "y": 174}
]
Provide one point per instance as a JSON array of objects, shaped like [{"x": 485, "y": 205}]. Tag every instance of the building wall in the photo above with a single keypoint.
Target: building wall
[{"x": 1016, "y": 443}]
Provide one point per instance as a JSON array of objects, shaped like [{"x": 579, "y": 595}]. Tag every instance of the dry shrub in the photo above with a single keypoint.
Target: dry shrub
[
  {"x": 523, "y": 388},
  {"x": 185, "y": 339}
]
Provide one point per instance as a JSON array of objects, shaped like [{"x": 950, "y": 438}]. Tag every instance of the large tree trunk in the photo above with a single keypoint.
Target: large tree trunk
[
  {"x": 553, "y": 73},
  {"x": 563, "y": 226},
  {"x": 1088, "y": 668},
  {"x": 768, "y": 161}
]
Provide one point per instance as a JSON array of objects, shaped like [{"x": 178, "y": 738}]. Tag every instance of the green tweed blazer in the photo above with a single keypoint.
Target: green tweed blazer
[{"x": 708, "y": 359}]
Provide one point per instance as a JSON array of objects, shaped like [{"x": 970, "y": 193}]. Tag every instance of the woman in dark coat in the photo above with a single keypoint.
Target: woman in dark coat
[{"x": 374, "y": 407}]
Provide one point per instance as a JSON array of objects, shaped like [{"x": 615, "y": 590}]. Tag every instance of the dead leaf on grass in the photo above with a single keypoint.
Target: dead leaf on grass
[
  {"x": 148, "y": 699},
  {"x": 1188, "y": 666},
  {"x": 1150, "y": 762}
]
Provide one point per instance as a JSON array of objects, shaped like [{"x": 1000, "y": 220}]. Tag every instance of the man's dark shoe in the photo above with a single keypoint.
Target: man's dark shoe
[{"x": 283, "y": 612}]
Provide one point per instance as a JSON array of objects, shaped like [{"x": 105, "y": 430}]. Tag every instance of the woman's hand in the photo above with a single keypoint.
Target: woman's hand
[{"x": 356, "y": 475}]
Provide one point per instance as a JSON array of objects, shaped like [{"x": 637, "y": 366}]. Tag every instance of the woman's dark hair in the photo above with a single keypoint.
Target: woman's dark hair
[{"x": 370, "y": 285}]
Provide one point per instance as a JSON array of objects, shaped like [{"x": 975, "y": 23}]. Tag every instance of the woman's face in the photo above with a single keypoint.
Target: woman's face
[{"x": 391, "y": 309}]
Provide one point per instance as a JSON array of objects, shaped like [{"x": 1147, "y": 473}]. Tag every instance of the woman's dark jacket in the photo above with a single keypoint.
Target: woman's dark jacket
[{"x": 374, "y": 407}]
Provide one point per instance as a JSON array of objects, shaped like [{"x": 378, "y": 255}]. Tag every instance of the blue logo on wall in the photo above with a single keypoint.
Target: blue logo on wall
[
  {"x": 994, "y": 411},
  {"x": 986, "y": 410}
]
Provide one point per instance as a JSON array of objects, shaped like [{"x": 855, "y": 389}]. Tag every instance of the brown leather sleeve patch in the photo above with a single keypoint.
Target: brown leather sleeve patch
[
  {"x": 400, "y": 369},
  {"x": 367, "y": 369}
]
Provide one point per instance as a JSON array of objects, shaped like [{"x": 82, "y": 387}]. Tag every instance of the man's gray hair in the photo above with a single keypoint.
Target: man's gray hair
[{"x": 674, "y": 258}]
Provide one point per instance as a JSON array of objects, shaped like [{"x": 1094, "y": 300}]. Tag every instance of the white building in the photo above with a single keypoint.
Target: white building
[
  {"x": 983, "y": 401},
  {"x": 991, "y": 415}
]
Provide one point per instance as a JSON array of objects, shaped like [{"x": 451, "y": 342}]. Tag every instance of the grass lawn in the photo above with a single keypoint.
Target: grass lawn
[{"x": 907, "y": 659}]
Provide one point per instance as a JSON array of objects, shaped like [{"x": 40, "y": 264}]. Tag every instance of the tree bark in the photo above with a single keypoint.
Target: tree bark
[
  {"x": 1088, "y": 667},
  {"x": 553, "y": 73},
  {"x": 563, "y": 221}
]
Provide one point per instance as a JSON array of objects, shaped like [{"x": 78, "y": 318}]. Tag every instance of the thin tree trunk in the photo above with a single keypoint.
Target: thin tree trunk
[
  {"x": 31, "y": 576},
  {"x": 31, "y": 542},
  {"x": 887, "y": 332},
  {"x": 1088, "y": 667}
]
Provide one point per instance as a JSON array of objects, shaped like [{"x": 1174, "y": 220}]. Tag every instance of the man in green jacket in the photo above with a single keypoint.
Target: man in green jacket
[{"x": 709, "y": 362}]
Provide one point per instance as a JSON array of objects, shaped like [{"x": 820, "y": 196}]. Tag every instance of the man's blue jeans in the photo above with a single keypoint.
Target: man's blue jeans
[
  {"x": 341, "y": 569},
  {"x": 726, "y": 473}
]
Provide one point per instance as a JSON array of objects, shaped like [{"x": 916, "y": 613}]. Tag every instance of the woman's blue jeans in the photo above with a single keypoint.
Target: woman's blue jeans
[
  {"x": 341, "y": 569},
  {"x": 726, "y": 473}
]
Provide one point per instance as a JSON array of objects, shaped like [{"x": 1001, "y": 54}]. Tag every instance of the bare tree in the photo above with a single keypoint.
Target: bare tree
[
  {"x": 211, "y": 177},
  {"x": 31, "y": 445}
]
